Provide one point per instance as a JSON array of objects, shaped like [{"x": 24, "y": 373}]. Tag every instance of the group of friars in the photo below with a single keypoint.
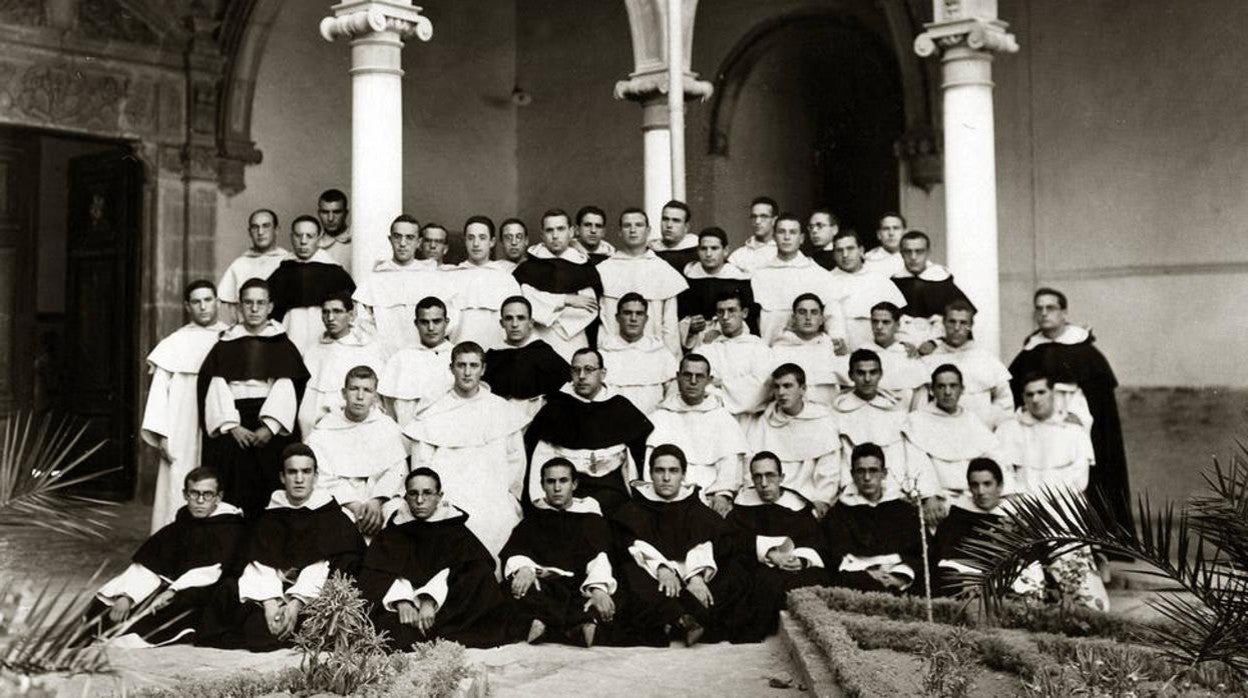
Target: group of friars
[{"x": 580, "y": 442}]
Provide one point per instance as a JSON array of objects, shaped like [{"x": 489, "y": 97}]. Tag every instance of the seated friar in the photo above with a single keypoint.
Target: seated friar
[
  {"x": 343, "y": 347},
  {"x": 361, "y": 457},
  {"x": 556, "y": 565},
  {"x": 176, "y": 574},
  {"x": 779, "y": 531},
  {"x": 875, "y": 538},
  {"x": 300, "y": 539},
  {"x": 428, "y": 577},
  {"x": 682, "y": 576}
]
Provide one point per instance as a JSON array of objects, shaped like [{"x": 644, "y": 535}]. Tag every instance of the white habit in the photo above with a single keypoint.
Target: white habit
[
  {"x": 740, "y": 370},
  {"x": 248, "y": 265},
  {"x": 390, "y": 294},
  {"x": 479, "y": 292},
  {"x": 655, "y": 280},
  {"x": 414, "y": 377},
  {"x": 640, "y": 370},
  {"x": 951, "y": 441},
  {"x": 808, "y": 445},
  {"x": 985, "y": 380},
  {"x": 328, "y": 362},
  {"x": 818, "y": 359},
  {"x": 560, "y": 326},
  {"x": 880, "y": 421},
  {"x": 777, "y": 283},
  {"x": 709, "y": 435},
  {"x": 858, "y": 292}
]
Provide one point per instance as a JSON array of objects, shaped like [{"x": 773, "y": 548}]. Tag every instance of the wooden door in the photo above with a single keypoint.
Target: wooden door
[
  {"x": 19, "y": 177},
  {"x": 101, "y": 311}
]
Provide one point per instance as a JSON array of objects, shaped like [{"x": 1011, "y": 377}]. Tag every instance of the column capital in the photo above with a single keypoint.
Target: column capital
[
  {"x": 652, "y": 86},
  {"x": 357, "y": 18},
  {"x": 969, "y": 24}
]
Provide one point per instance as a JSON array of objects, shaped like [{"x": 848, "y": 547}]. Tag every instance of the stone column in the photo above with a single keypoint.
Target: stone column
[
  {"x": 648, "y": 85},
  {"x": 966, "y": 33},
  {"x": 377, "y": 29}
]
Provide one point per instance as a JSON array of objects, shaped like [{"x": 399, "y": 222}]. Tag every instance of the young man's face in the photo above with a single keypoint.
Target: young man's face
[
  {"x": 467, "y": 368},
  {"x": 1039, "y": 399},
  {"x": 517, "y": 325},
  {"x": 821, "y": 230},
  {"x": 202, "y": 497},
  {"x": 868, "y": 474},
  {"x": 711, "y": 253},
  {"x": 847, "y": 254},
  {"x": 433, "y": 244},
  {"x": 634, "y": 231},
  {"x": 478, "y": 242},
  {"x": 404, "y": 239},
  {"x": 632, "y": 317},
  {"x": 731, "y": 317},
  {"x": 984, "y": 488},
  {"x": 789, "y": 237},
  {"x": 303, "y": 239},
  {"x": 762, "y": 220},
  {"x": 674, "y": 225},
  {"x": 789, "y": 393},
  {"x": 298, "y": 478},
  {"x": 866, "y": 377},
  {"x": 333, "y": 216},
  {"x": 883, "y": 327},
  {"x": 422, "y": 496},
  {"x": 692, "y": 380},
  {"x": 587, "y": 375},
  {"x": 559, "y": 486},
  {"x": 556, "y": 233},
  {"x": 263, "y": 230},
  {"x": 1050, "y": 315},
  {"x": 515, "y": 241},
  {"x": 336, "y": 317},
  {"x": 807, "y": 319},
  {"x": 591, "y": 230},
  {"x": 766, "y": 477},
  {"x": 958, "y": 326},
  {"x": 255, "y": 306},
  {"x": 202, "y": 306},
  {"x": 890, "y": 232},
  {"x": 914, "y": 255},
  {"x": 360, "y": 394},
  {"x": 947, "y": 390},
  {"x": 431, "y": 326},
  {"x": 667, "y": 475}
]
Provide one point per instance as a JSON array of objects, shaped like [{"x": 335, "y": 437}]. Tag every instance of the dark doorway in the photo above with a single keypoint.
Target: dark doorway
[{"x": 69, "y": 264}]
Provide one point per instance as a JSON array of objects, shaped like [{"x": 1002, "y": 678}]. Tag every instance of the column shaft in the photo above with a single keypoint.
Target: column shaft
[
  {"x": 657, "y": 159},
  {"x": 376, "y": 147}
]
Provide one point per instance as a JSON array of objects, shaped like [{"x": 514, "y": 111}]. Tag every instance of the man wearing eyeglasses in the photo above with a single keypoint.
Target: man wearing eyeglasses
[{"x": 177, "y": 571}]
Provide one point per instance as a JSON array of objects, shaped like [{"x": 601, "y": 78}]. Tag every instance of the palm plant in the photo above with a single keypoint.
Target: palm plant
[{"x": 1202, "y": 548}]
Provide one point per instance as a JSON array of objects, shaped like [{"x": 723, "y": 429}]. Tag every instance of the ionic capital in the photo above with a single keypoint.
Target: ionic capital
[{"x": 354, "y": 19}]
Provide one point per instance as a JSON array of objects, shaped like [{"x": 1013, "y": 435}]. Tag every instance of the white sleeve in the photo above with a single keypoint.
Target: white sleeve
[
  {"x": 400, "y": 590},
  {"x": 389, "y": 483},
  {"x": 827, "y": 476},
  {"x": 515, "y": 464},
  {"x": 259, "y": 583},
  {"x": 728, "y": 475},
  {"x": 197, "y": 577},
  {"x": 701, "y": 560},
  {"x": 546, "y": 306},
  {"x": 515, "y": 563},
  {"x": 311, "y": 578},
  {"x": 340, "y": 488},
  {"x": 158, "y": 414},
  {"x": 834, "y": 320},
  {"x": 436, "y": 588},
  {"x": 765, "y": 544},
  {"x": 281, "y": 407},
  {"x": 650, "y": 559},
  {"x": 810, "y": 556},
  {"x": 137, "y": 582},
  {"x": 599, "y": 575},
  {"x": 220, "y": 415},
  {"x": 671, "y": 326}
]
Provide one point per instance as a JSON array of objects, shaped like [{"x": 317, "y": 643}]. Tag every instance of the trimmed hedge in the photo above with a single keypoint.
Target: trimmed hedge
[{"x": 856, "y": 676}]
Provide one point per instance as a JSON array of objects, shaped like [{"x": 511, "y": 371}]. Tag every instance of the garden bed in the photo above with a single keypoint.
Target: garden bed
[{"x": 879, "y": 645}]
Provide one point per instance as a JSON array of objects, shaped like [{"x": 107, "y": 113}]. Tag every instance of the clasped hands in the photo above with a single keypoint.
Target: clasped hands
[
  {"x": 246, "y": 438},
  {"x": 421, "y": 616},
  {"x": 669, "y": 584},
  {"x": 786, "y": 561},
  {"x": 282, "y": 616}
]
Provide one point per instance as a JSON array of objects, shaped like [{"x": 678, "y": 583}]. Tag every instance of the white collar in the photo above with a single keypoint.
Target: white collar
[
  {"x": 645, "y": 343},
  {"x": 694, "y": 270},
  {"x": 320, "y": 255},
  {"x": 318, "y": 499},
  {"x": 572, "y": 254},
  {"x": 789, "y": 338},
  {"x": 1059, "y": 417},
  {"x": 879, "y": 253},
  {"x": 355, "y": 337},
  {"x": 850, "y": 402},
  {"x": 646, "y": 490},
  {"x": 932, "y": 408},
  {"x": 789, "y": 499},
  {"x": 932, "y": 272},
  {"x": 579, "y": 505},
  {"x": 627, "y": 256},
  {"x": 675, "y": 403},
  {"x": 862, "y": 271},
  {"x": 604, "y": 248},
  {"x": 689, "y": 241},
  {"x": 1071, "y": 334},
  {"x": 754, "y": 244},
  {"x": 445, "y": 511},
  {"x": 414, "y": 265},
  {"x": 604, "y": 393},
  {"x": 337, "y": 419},
  {"x": 274, "y": 251},
  {"x": 967, "y": 502},
  {"x": 776, "y": 417},
  {"x": 850, "y": 496},
  {"x": 272, "y": 328},
  {"x": 527, "y": 341},
  {"x": 799, "y": 261},
  {"x": 225, "y": 509}
]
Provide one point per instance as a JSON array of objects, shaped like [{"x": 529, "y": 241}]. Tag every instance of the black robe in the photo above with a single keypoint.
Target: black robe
[
  {"x": 562, "y": 276},
  {"x": 957, "y": 527},
  {"x": 527, "y": 372},
  {"x": 249, "y": 476},
  {"x": 927, "y": 298},
  {"x": 752, "y": 520},
  {"x": 699, "y": 299},
  {"x": 1109, "y": 487},
  {"x": 824, "y": 258},
  {"x": 674, "y": 528},
  {"x": 569, "y": 422},
  {"x": 288, "y": 540},
  {"x": 568, "y": 541},
  {"x": 678, "y": 259},
  {"x": 866, "y": 531},
  {"x": 185, "y": 544},
  {"x": 474, "y": 613},
  {"x": 296, "y": 284}
]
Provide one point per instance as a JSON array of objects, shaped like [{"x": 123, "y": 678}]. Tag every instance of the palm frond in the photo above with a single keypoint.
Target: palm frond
[
  {"x": 38, "y": 458},
  {"x": 54, "y": 634}
]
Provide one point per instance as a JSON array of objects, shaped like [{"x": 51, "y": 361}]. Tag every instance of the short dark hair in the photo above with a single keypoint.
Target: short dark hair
[
  {"x": 960, "y": 304},
  {"x": 1034, "y": 376},
  {"x": 360, "y": 372},
  {"x": 788, "y": 216},
  {"x": 767, "y": 455},
  {"x": 559, "y": 462},
  {"x": 554, "y": 213},
  {"x": 789, "y": 369},
  {"x": 203, "y": 472},
  {"x": 333, "y": 196},
  {"x": 669, "y": 450},
  {"x": 433, "y": 225},
  {"x": 516, "y": 299},
  {"x": 483, "y": 220},
  {"x": 633, "y": 209},
  {"x": 847, "y": 233},
  {"x": 588, "y": 210},
  {"x": 271, "y": 212},
  {"x": 918, "y": 235},
  {"x": 766, "y": 201},
  {"x": 429, "y": 302},
  {"x": 195, "y": 286},
  {"x": 255, "y": 282},
  {"x": 343, "y": 297},
  {"x": 677, "y": 203},
  {"x": 984, "y": 465},
  {"x": 584, "y": 351},
  {"x": 889, "y": 308},
  {"x": 467, "y": 347},
  {"x": 714, "y": 232},
  {"x": 405, "y": 218},
  {"x": 947, "y": 368},
  {"x": 424, "y": 471},
  {"x": 632, "y": 297},
  {"x": 864, "y": 450},
  {"x": 692, "y": 357},
  {"x": 892, "y": 214},
  {"x": 514, "y": 221},
  {"x": 827, "y": 212},
  {"x": 298, "y": 450},
  {"x": 808, "y": 296},
  {"x": 306, "y": 219},
  {"x": 861, "y": 355},
  {"x": 733, "y": 293},
  {"x": 1047, "y": 291}
]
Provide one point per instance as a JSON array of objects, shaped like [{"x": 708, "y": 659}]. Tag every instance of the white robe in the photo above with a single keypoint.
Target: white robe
[
  {"x": 985, "y": 380},
  {"x": 817, "y": 358},
  {"x": 414, "y": 377},
  {"x": 280, "y": 407},
  {"x": 339, "y": 249},
  {"x": 304, "y": 325},
  {"x": 604, "y": 248},
  {"x": 479, "y": 294},
  {"x": 695, "y": 270},
  {"x": 857, "y": 293},
  {"x": 1054, "y": 453},
  {"x": 951, "y": 441},
  {"x": 688, "y": 242},
  {"x": 172, "y": 411},
  {"x": 1070, "y": 397},
  {"x": 711, "y": 438},
  {"x": 779, "y": 282},
  {"x": 328, "y": 362},
  {"x": 475, "y": 446},
  {"x": 917, "y": 330},
  {"x": 560, "y": 326},
  {"x": 883, "y": 263},
  {"x": 899, "y": 373},
  {"x": 359, "y": 461},
  {"x": 880, "y": 422},
  {"x": 753, "y": 254},
  {"x": 740, "y": 371},
  {"x": 248, "y": 265},
  {"x": 808, "y": 445},
  {"x": 655, "y": 280},
  {"x": 640, "y": 371},
  {"x": 390, "y": 294}
]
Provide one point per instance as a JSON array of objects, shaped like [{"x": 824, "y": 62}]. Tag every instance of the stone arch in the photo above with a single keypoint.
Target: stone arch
[{"x": 244, "y": 33}]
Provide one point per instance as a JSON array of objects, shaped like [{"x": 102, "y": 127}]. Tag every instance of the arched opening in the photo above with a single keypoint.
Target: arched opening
[{"x": 807, "y": 110}]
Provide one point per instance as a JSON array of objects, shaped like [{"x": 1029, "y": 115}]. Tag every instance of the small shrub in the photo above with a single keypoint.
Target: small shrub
[
  {"x": 342, "y": 651},
  {"x": 950, "y": 666},
  {"x": 431, "y": 670}
]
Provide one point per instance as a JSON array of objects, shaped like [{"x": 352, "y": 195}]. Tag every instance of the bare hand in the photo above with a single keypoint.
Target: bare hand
[
  {"x": 261, "y": 436},
  {"x": 290, "y": 617},
  {"x": 839, "y": 347},
  {"x": 242, "y": 436},
  {"x": 575, "y": 300},
  {"x": 721, "y": 504},
  {"x": 934, "y": 510},
  {"x": 273, "y": 616},
  {"x": 697, "y": 586},
  {"x": 603, "y": 604},
  {"x": 368, "y": 516},
  {"x": 792, "y": 563},
  {"x": 697, "y": 324},
  {"x": 427, "y": 610},
  {"x": 408, "y": 615},
  {"x": 522, "y": 581},
  {"x": 121, "y": 608},
  {"x": 927, "y": 347},
  {"x": 888, "y": 581},
  {"x": 911, "y": 350},
  {"x": 163, "y": 600},
  {"x": 669, "y": 583},
  {"x": 821, "y": 509}
]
